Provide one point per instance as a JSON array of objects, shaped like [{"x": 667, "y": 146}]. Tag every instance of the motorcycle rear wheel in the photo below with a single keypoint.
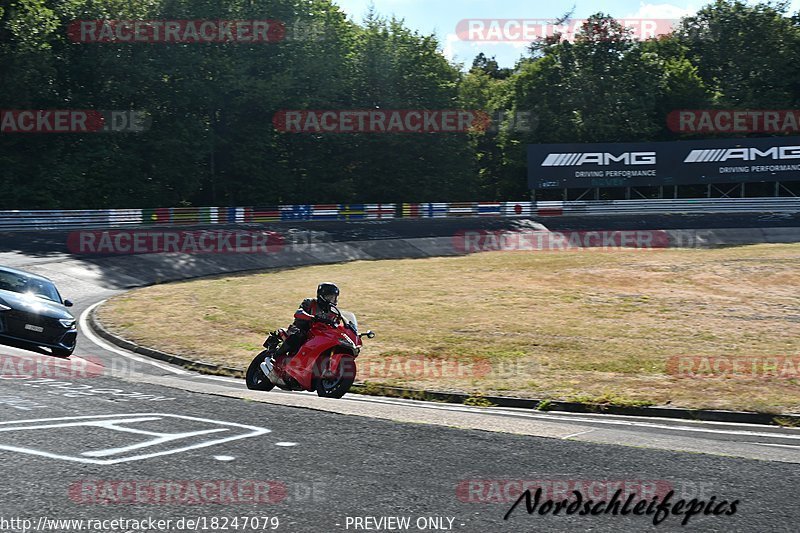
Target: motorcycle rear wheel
[{"x": 255, "y": 378}]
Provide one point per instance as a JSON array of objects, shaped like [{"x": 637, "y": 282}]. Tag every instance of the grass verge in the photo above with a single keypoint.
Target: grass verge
[{"x": 602, "y": 327}]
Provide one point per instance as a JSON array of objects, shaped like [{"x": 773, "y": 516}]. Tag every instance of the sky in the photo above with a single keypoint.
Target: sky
[{"x": 442, "y": 18}]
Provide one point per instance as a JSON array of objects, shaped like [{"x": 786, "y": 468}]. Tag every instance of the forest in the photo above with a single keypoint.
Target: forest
[{"x": 209, "y": 108}]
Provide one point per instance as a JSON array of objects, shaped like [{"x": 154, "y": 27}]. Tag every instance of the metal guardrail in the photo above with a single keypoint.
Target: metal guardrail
[
  {"x": 68, "y": 219},
  {"x": 112, "y": 218},
  {"x": 670, "y": 206}
]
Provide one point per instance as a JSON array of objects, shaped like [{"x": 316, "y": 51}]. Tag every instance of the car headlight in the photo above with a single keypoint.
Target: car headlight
[
  {"x": 68, "y": 323},
  {"x": 4, "y": 308}
]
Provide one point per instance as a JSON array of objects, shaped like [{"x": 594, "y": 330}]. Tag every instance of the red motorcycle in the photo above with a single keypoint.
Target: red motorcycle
[{"x": 326, "y": 363}]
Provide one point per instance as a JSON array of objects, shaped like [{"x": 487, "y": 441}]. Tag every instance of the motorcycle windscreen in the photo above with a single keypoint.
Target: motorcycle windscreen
[{"x": 349, "y": 317}]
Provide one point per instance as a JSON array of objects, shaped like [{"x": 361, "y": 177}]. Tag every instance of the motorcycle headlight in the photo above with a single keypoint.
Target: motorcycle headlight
[{"x": 68, "y": 323}]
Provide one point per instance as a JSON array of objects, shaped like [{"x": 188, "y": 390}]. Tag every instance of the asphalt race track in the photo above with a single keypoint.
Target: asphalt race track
[{"x": 111, "y": 435}]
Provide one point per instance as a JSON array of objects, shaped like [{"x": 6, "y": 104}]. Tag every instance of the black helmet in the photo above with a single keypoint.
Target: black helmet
[{"x": 327, "y": 294}]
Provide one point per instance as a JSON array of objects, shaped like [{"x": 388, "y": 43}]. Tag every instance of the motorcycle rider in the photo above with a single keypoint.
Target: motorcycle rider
[{"x": 310, "y": 309}]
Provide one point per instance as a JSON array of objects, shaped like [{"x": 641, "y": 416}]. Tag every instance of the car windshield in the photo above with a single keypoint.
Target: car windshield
[{"x": 16, "y": 282}]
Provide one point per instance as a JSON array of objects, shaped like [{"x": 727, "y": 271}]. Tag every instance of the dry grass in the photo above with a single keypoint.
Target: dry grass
[{"x": 595, "y": 326}]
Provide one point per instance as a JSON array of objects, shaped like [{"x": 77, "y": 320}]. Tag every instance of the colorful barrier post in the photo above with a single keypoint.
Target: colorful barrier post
[
  {"x": 380, "y": 211},
  {"x": 295, "y": 212},
  {"x": 411, "y": 211},
  {"x": 517, "y": 209},
  {"x": 461, "y": 209},
  {"x": 352, "y": 211},
  {"x": 264, "y": 214},
  {"x": 324, "y": 212},
  {"x": 490, "y": 209}
]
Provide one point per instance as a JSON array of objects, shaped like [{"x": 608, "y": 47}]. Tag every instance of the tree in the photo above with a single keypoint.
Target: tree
[{"x": 746, "y": 54}]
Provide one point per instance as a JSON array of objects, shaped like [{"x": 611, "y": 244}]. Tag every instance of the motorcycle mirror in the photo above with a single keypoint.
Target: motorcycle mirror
[{"x": 370, "y": 334}]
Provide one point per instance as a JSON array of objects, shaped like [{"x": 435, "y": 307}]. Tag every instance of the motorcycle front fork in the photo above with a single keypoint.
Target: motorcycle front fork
[{"x": 269, "y": 363}]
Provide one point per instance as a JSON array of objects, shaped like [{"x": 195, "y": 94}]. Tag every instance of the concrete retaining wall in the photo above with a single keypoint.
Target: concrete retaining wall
[{"x": 136, "y": 270}]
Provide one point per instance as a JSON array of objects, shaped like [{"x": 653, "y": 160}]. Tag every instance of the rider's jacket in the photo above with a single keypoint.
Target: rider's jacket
[{"x": 308, "y": 311}]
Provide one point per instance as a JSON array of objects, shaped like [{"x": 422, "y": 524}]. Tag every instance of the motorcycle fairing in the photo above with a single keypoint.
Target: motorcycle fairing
[{"x": 301, "y": 367}]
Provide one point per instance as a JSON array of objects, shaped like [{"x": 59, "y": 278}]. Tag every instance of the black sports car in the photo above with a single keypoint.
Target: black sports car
[{"x": 32, "y": 312}]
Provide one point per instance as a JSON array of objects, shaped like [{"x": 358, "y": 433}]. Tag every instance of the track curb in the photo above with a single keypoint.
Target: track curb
[{"x": 373, "y": 389}]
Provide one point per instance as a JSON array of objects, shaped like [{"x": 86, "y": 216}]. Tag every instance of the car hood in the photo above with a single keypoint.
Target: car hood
[{"x": 39, "y": 306}]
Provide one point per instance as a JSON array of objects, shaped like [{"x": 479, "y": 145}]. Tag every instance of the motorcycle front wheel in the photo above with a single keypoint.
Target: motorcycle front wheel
[
  {"x": 255, "y": 378},
  {"x": 330, "y": 385}
]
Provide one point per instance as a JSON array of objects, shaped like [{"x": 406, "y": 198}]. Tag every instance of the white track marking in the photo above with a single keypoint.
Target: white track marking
[
  {"x": 222, "y": 378},
  {"x": 87, "y": 361},
  {"x": 110, "y": 423},
  {"x": 70, "y": 424},
  {"x": 554, "y": 417},
  {"x": 576, "y": 434},
  {"x": 87, "y": 332},
  {"x": 141, "y": 445},
  {"x": 522, "y": 412},
  {"x": 795, "y": 446},
  {"x": 643, "y": 424}
]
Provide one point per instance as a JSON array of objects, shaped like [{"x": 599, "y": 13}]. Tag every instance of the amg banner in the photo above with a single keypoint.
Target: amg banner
[{"x": 663, "y": 163}]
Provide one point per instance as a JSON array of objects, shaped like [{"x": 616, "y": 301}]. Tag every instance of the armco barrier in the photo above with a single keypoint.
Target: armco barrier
[
  {"x": 103, "y": 218},
  {"x": 468, "y": 209},
  {"x": 670, "y": 206}
]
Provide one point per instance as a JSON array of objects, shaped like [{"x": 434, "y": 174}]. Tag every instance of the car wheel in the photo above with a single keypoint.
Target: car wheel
[{"x": 62, "y": 352}]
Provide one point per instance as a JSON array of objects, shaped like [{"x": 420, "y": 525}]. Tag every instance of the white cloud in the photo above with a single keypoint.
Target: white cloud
[
  {"x": 455, "y": 47},
  {"x": 661, "y": 11},
  {"x": 448, "y": 51}
]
